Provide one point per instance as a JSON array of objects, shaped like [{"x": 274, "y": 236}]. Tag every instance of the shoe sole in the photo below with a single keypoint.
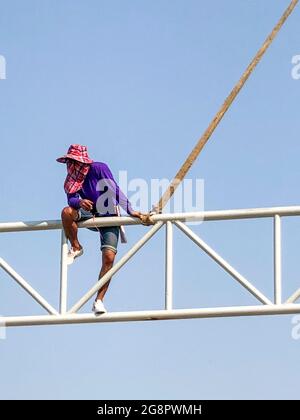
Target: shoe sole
[
  {"x": 99, "y": 313},
  {"x": 69, "y": 261}
]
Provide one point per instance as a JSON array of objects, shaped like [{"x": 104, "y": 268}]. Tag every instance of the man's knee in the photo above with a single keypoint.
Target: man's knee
[
  {"x": 68, "y": 212},
  {"x": 108, "y": 258}
]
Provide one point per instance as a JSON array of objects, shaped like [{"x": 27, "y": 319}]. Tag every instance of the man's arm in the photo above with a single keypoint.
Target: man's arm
[
  {"x": 76, "y": 202},
  {"x": 117, "y": 192}
]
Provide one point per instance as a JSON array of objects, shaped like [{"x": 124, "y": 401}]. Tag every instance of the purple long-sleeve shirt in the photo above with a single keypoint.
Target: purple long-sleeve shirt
[{"x": 101, "y": 188}]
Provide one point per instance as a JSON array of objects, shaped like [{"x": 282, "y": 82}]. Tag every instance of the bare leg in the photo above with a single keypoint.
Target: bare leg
[
  {"x": 108, "y": 257},
  {"x": 68, "y": 216}
]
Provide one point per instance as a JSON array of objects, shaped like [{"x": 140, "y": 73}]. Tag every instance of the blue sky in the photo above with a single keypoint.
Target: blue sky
[{"x": 138, "y": 82}]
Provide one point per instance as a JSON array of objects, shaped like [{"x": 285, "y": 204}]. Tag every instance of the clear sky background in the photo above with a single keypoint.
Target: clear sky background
[{"x": 138, "y": 82}]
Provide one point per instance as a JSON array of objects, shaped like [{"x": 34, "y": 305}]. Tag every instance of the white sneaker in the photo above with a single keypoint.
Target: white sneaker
[
  {"x": 98, "y": 307},
  {"x": 72, "y": 254}
]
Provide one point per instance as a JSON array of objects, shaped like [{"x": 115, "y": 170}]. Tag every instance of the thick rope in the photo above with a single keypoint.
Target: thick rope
[{"x": 226, "y": 105}]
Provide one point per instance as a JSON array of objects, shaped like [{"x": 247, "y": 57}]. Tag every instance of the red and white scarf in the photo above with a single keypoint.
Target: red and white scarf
[{"x": 77, "y": 172}]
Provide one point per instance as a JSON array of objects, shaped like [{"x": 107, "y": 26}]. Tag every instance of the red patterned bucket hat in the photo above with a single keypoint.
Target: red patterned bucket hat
[{"x": 76, "y": 152}]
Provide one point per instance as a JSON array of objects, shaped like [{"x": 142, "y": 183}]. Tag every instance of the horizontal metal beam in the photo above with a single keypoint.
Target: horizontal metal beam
[
  {"x": 183, "y": 217},
  {"x": 168, "y": 313},
  {"x": 216, "y": 215},
  {"x": 284, "y": 309}
]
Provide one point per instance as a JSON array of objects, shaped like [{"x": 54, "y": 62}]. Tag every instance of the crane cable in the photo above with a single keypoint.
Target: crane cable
[{"x": 218, "y": 117}]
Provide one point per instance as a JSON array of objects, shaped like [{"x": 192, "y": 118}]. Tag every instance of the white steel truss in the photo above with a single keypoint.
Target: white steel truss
[{"x": 64, "y": 315}]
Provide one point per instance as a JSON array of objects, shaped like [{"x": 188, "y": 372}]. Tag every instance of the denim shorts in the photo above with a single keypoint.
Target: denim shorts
[{"x": 109, "y": 236}]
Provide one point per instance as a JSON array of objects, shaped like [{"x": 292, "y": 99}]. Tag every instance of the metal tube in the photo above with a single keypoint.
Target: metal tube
[
  {"x": 63, "y": 274},
  {"x": 192, "y": 216},
  {"x": 169, "y": 267},
  {"x": 277, "y": 260},
  {"x": 116, "y": 267},
  {"x": 295, "y": 296},
  {"x": 276, "y": 213},
  {"x": 154, "y": 315},
  {"x": 224, "y": 264},
  {"x": 26, "y": 286},
  {"x": 235, "y": 214}
]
